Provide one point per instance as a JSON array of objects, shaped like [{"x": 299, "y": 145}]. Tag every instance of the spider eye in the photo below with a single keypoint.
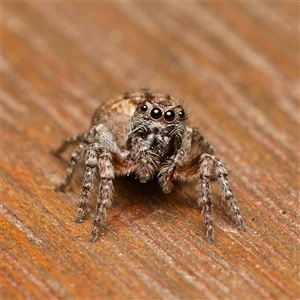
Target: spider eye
[
  {"x": 144, "y": 108},
  {"x": 181, "y": 114},
  {"x": 156, "y": 113},
  {"x": 169, "y": 115}
]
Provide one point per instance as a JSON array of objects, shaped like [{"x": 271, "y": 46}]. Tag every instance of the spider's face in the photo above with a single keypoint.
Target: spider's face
[
  {"x": 161, "y": 124},
  {"x": 161, "y": 113}
]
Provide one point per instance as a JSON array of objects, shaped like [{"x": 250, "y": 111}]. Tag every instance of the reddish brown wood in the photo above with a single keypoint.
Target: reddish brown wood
[{"x": 236, "y": 67}]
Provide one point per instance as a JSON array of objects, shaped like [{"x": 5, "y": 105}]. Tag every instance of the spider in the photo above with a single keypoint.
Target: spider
[{"x": 145, "y": 133}]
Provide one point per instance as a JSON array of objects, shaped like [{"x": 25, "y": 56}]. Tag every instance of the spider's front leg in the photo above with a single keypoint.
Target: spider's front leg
[
  {"x": 143, "y": 159},
  {"x": 167, "y": 172}
]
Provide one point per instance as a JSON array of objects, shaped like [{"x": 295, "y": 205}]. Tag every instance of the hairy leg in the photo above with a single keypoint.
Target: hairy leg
[
  {"x": 201, "y": 142},
  {"x": 105, "y": 192},
  {"x": 227, "y": 194},
  {"x": 167, "y": 172},
  {"x": 76, "y": 156},
  {"x": 209, "y": 165},
  {"x": 98, "y": 136},
  {"x": 204, "y": 199},
  {"x": 91, "y": 165},
  {"x": 69, "y": 141},
  {"x": 201, "y": 168}
]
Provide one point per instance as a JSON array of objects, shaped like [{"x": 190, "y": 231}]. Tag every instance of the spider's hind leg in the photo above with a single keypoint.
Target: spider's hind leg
[
  {"x": 204, "y": 199},
  {"x": 209, "y": 165},
  {"x": 202, "y": 143},
  {"x": 227, "y": 194},
  {"x": 76, "y": 156},
  {"x": 202, "y": 168},
  {"x": 68, "y": 142}
]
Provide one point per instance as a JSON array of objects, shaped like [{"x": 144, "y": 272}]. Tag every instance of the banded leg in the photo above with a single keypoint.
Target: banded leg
[
  {"x": 69, "y": 141},
  {"x": 203, "y": 144},
  {"x": 77, "y": 154},
  {"x": 204, "y": 200},
  {"x": 208, "y": 165},
  {"x": 105, "y": 192},
  {"x": 91, "y": 164},
  {"x": 227, "y": 194}
]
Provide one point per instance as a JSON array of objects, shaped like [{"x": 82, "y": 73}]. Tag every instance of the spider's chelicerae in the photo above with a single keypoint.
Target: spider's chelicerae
[{"x": 146, "y": 134}]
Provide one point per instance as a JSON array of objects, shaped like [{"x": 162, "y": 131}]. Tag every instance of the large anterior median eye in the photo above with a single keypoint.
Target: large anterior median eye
[
  {"x": 156, "y": 113},
  {"x": 169, "y": 115}
]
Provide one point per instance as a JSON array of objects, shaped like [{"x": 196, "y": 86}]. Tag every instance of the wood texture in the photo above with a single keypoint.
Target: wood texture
[{"x": 236, "y": 67}]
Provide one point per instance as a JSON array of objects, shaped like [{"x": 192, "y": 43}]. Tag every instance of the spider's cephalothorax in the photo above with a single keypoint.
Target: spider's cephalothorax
[
  {"x": 146, "y": 134},
  {"x": 160, "y": 126}
]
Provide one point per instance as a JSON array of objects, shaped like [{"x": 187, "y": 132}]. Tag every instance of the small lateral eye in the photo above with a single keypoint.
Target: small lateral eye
[
  {"x": 156, "y": 113},
  {"x": 169, "y": 115},
  {"x": 144, "y": 108},
  {"x": 181, "y": 114}
]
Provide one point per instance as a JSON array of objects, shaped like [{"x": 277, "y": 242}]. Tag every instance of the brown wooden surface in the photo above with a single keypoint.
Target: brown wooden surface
[{"x": 235, "y": 65}]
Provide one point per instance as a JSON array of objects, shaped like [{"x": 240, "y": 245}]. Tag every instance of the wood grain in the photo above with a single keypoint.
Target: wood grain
[{"x": 235, "y": 65}]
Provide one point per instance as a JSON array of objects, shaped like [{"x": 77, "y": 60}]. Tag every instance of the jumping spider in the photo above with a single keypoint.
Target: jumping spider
[{"x": 146, "y": 134}]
